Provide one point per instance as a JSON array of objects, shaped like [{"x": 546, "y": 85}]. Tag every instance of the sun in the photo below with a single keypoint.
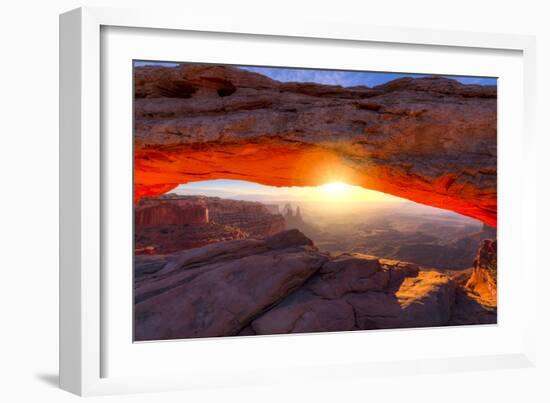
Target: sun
[
  {"x": 336, "y": 188},
  {"x": 335, "y": 191}
]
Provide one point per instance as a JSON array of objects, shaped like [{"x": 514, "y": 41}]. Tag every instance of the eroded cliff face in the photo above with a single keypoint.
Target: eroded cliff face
[
  {"x": 154, "y": 212},
  {"x": 430, "y": 140},
  {"x": 171, "y": 223},
  {"x": 254, "y": 218}
]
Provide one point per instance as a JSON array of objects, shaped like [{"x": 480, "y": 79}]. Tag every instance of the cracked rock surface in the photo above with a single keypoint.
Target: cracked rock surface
[{"x": 284, "y": 284}]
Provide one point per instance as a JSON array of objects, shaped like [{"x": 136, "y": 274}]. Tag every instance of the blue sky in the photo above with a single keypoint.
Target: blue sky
[{"x": 333, "y": 77}]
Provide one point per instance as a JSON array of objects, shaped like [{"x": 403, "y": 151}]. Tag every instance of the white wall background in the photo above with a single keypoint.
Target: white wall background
[{"x": 29, "y": 197}]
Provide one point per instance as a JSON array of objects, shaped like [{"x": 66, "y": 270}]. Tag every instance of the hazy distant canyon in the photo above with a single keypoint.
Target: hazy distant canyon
[{"x": 427, "y": 237}]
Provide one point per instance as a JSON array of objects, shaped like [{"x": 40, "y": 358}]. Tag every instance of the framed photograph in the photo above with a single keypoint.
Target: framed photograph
[{"x": 237, "y": 198}]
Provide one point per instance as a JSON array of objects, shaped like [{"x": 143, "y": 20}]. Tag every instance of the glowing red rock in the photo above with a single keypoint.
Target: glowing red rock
[{"x": 430, "y": 140}]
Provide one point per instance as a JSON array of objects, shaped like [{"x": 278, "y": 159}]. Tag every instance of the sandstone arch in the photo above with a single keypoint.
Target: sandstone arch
[{"x": 430, "y": 140}]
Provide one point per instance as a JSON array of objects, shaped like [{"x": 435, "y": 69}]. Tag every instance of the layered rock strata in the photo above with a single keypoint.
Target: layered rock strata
[{"x": 172, "y": 223}]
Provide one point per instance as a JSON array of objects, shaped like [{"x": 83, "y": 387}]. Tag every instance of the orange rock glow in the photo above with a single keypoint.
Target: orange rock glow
[
  {"x": 158, "y": 171},
  {"x": 430, "y": 140}
]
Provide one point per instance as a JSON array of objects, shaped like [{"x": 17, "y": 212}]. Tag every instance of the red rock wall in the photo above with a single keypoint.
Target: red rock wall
[
  {"x": 170, "y": 213},
  {"x": 171, "y": 223}
]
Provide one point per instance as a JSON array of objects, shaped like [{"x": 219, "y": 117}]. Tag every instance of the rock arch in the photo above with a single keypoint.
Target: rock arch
[{"x": 430, "y": 140}]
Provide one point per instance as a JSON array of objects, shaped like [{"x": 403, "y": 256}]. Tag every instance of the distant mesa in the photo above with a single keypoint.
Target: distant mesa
[
  {"x": 272, "y": 208},
  {"x": 170, "y": 211},
  {"x": 170, "y": 223},
  {"x": 293, "y": 217},
  {"x": 294, "y": 220}
]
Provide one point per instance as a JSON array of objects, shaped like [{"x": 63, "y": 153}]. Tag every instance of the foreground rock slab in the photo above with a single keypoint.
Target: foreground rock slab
[
  {"x": 219, "y": 299},
  {"x": 284, "y": 284}
]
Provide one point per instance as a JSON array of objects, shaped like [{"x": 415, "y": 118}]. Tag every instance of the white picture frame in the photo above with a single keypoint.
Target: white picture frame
[{"x": 86, "y": 346}]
